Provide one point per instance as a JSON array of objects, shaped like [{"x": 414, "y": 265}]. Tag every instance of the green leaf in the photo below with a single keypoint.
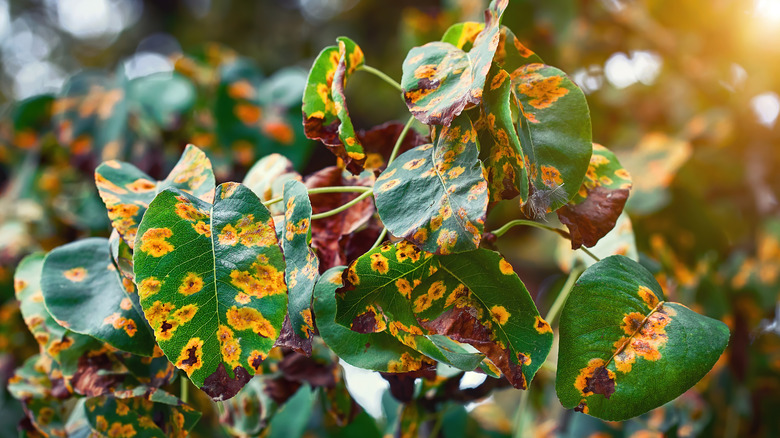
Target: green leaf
[
  {"x": 435, "y": 195},
  {"x": 154, "y": 414},
  {"x": 325, "y": 113},
  {"x": 211, "y": 283},
  {"x": 623, "y": 349},
  {"x": 506, "y": 172},
  {"x": 164, "y": 98},
  {"x": 267, "y": 178},
  {"x": 54, "y": 340},
  {"x": 291, "y": 420},
  {"x": 477, "y": 298},
  {"x": 372, "y": 351},
  {"x": 80, "y": 280},
  {"x": 594, "y": 210},
  {"x": 127, "y": 191},
  {"x": 302, "y": 264},
  {"x": 440, "y": 80},
  {"x": 41, "y": 394},
  {"x": 555, "y": 135}
]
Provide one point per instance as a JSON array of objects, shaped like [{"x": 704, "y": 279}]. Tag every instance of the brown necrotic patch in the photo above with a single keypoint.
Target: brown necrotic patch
[
  {"x": 191, "y": 357},
  {"x": 369, "y": 321},
  {"x": 220, "y": 386},
  {"x": 596, "y": 379}
]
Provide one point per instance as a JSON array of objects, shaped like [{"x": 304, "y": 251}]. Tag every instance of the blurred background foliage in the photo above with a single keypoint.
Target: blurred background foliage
[{"x": 685, "y": 91}]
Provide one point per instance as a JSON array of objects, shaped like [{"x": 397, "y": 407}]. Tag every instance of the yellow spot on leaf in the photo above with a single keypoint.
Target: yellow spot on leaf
[
  {"x": 379, "y": 263},
  {"x": 76, "y": 275},
  {"x": 505, "y": 267},
  {"x": 541, "y": 325},
  {"x": 190, "y": 284},
  {"x": 500, "y": 314},
  {"x": 247, "y": 318},
  {"x": 148, "y": 287},
  {"x": 153, "y": 242}
]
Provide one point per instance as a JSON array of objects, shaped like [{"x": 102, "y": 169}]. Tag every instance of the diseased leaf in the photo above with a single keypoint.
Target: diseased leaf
[
  {"x": 325, "y": 113},
  {"x": 506, "y": 173},
  {"x": 302, "y": 264},
  {"x": 477, "y": 298},
  {"x": 267, "y": 178},
  {"x": 122, "y": 255},
  {"x": 435, "y": 195},
  {"x": 373, "y": 351},
  {"x": 376, "y": 297},
  {"x": 623, "y": 349},
  {"x": 153, "y": 414},
  {"x": 331, "y": 235},
  {"x": 127, "y": 191},
  {"x": 54, "y": 340},
  {"x": 594, "y": 210},
  {"x": 41, "y": 394},
  {"x": 80, "y": 280},
  {"x": 440, "y": 80},
  {"x": 510, "y": 54},
  {"x": 555, "y": 135},
  {"x": 211, "y": 283}
]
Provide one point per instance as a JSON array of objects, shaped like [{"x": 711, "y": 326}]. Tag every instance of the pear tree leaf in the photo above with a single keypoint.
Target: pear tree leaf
[
  {"x": 623, "y": 349},
  {"x": 477, "y": 298},
  {"x": 41, "y": 394},
  {"x": 440, "y": 80},
  {"x": 555, "y": 135},
  {"x": 267, "y": 178},
  {"x": 211, "y": 282},
  {"x": 373, "y": 351},
  {"x": 80, "y": 280},
  {"x": 127, "y": 191},
  {"x": 594, "y": 210},
  {"x": 325, "y": 113},
  {"x": 302, "y": 264},
  {"x": 435, "y": 195}
]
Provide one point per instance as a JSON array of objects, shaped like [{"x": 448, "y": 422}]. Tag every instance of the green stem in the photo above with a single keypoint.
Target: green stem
[
  {"x": 338, "y": 210},
  {"x": 381, "y": 75},
  {"x": 593, "y": 256},
  {"x": 563, "y": 294},
  {"x": 437, "y": 425},
  {"x": 317, "y": 190},
  {"x": 400, "y": 140},
  {"x": 500, "y": 232},
  {"x": 184, "y": 395}
]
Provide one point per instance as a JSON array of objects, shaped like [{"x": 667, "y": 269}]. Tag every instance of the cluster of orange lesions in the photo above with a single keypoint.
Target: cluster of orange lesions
[
  {"x": 248, "y": 232},
  {"x": 247, "y": 318},
  {"x": 191, "y": 357},
  {"x": 116, "y": 430},
  {"x": 435, "y": 292},
  {"x": 76, "y": 275},
  {"x": 198, "y": 219},
  {"x": 551, "y": 176},
  {"x": 406, "y": 334},
  {"x": 229, "y": 346},
  {"x": 164, "y": 318},
  {"x": 154, "y": 243},
  {"x": 120, "y": 322},
  {"x": 644, "y": 337},
  {"x": 308, "y": 324},
  {"x": 407, "y": 363},
  {"x": 148, "y": 287},
  {"x": 194, "y": 169},
  {"x": 309, "y": 271},
  {"x": 261, "y": 280},
  {"x": 291, "y": 229},
  {"x": 543, "y": 91}
]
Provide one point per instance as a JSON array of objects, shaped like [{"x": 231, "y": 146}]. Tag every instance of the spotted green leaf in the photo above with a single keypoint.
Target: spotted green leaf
[
  {"x": 211, "y": 283},
  {"x": 373, "y": 351},
  {"x": 506, "y": 172},
  {"x": 90, "y": 115},
  {"x": 41, "y": 394},
  {"x": 127, "y": 191},
  {"x": 477, "y": 298},
  {"x": 623, "y": 349},
  {"x": 80, "y": 279},
  {"x": 594, "y": 210},
  {"x": 440, "y": 80},
  {"x": 155, "y": 414},
  {"x": 267, "y": 178},
  {"x": 376, "y": 298},
  {"x": 325, "y": 113},
  {"x": 64, "y": 346},
  {"x": 435, "y": 195},
  {"x": 302, "y": 264},
  {"x": 555, "y": 135}
]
